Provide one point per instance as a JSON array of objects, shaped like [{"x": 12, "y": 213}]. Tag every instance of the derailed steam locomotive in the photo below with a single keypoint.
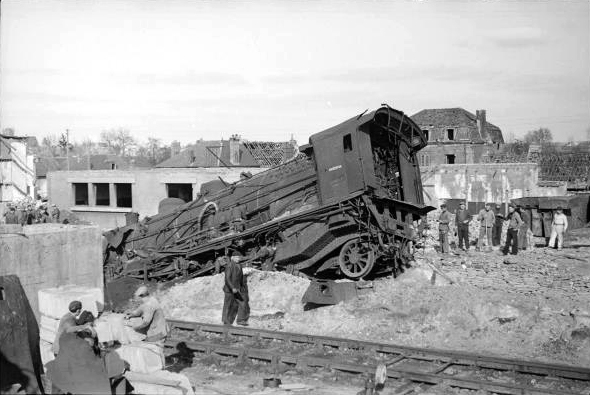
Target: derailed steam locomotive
[{"x": 344, "y": 207}]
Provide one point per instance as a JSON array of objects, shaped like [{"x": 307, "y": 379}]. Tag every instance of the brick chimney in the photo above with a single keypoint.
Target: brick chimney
[{"x": 480, "y": 117}]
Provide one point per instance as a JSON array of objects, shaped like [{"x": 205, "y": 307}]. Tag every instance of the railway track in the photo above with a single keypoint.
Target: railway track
[{"x": 411, "y": 366}]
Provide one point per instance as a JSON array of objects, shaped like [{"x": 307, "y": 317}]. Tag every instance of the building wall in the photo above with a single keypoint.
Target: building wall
[
  {"x": 436, "y": 154},
  {"x": 148, "y": 188},
  {"x": 494, "y": 182},
  {"x": 17, "y": 176},
  {"x": 53, "y": 255}
]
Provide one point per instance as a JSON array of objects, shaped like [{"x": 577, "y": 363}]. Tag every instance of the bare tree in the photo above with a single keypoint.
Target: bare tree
[
  {"x": 539, "y": 136},
  {"x": 118, "y": 140}
]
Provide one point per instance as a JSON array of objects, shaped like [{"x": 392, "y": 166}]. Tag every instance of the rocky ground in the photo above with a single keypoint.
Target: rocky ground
[{"x": 534, "y": 305}]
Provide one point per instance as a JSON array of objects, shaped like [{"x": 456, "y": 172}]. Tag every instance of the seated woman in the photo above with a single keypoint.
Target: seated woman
[{"x": 79, "y": 368}]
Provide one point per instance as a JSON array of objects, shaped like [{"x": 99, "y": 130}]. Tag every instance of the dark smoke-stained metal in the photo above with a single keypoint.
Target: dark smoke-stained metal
[{"x": 344, "y": 207}]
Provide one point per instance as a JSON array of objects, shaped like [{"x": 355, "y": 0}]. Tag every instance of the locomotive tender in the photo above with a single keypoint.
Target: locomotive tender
[{"x": 344, "y": 207}]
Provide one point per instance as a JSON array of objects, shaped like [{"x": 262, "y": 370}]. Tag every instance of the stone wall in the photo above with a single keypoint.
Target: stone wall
[
  {"x": 496, "y": 182},
  {"x": 436, "y": 154},
  {"x": 52, "y": 255}
]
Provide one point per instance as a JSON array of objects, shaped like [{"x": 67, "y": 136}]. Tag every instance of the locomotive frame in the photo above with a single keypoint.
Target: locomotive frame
[{"x": 346, "y": 206}]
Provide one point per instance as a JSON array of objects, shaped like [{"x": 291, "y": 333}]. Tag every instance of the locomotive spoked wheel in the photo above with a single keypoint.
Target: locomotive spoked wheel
[{"x": 356, "y": 259}]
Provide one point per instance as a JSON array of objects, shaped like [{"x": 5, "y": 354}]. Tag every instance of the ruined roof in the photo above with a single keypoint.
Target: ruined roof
[
  {"x": 458, "y": 117},
  {"x": 216, "y": 153}
]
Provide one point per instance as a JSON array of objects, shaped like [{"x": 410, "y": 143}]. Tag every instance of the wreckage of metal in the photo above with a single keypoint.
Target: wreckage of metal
[{"x": 343, "y": 208}]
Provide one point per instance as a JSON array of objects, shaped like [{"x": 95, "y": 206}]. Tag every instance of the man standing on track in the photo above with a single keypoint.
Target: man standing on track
[{"x": 235, "y": 289}]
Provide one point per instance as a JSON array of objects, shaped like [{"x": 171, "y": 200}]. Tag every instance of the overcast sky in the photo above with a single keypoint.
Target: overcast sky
[{"x": 271, "y": 69}]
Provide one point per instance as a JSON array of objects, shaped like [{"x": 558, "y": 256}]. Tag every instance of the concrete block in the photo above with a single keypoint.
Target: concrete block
[
  {"x": 53, "y": 255},
  {"x": 46, "y": 351},
  {"x": 54, "y": 302}
]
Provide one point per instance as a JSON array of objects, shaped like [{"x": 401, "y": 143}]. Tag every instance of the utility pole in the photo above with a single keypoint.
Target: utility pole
[{"x": 68, "y": 148}]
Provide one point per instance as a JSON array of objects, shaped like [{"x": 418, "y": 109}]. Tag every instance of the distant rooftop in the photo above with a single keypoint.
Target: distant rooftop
[{"x": 232, "y": 153}]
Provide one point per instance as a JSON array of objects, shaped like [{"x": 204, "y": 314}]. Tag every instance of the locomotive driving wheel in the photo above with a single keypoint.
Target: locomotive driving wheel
[{"x": 356, "y": 258}]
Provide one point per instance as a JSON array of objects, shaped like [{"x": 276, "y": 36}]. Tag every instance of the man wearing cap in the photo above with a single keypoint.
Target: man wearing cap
[
  {"x": 462, "y": 219},
  {"x": 514, "y": 223},
  {"x": 486, "y": 219},
  {"x": 235, "y": 289},
  {"x": 443, "y": 229},
  {"x": 497, "y": 228},
  {"x": 10, "y": 216},
  {"x": 558, "y": 228},
  {"x": 153, "y": 323},
  {"x": 67, "y": 323}
]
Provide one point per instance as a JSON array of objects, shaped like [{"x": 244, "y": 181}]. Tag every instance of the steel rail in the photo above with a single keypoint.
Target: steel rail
[
  {"x": 399, "y": 351},
  {"x": 432, "y": 378}
]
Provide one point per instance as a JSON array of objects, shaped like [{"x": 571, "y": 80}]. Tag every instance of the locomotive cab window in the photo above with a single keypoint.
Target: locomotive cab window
[{"x": 347, "y": 143}]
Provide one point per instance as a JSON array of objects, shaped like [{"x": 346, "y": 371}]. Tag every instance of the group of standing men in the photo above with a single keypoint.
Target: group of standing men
[
  {"x": 26, "y": 214},
  {"x": 518, "y": 235}
]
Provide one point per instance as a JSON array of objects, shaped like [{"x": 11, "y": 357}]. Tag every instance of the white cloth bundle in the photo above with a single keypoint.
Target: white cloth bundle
[
  {"x": 149, "y": 385},
  {"x": 111, "y": 327},
  {"x": 142, "y": 357}
]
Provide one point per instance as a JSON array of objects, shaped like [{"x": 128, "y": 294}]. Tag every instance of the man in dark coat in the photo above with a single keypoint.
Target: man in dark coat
[
  {"x": 497, "y": 229},
  {"x": 236, "y": 301},
  {"x": 462, "y": 219}
]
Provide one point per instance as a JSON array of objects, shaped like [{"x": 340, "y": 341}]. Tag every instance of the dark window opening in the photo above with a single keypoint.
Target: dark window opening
[
  {"x": 450, "y": 159},
  {"x": 425, "y": 134},
  {"x": 2, "y": 295},
  {"x": 80, "y": 194},
  {"x": 347, "y": 143},
  {"x": 113, "y": 166},
  {"x": 451, "y": 134},
  {"x": 123, "y": 192},
  {"x": 180, "y": 191},
  {"x": 102, "y": 194}
]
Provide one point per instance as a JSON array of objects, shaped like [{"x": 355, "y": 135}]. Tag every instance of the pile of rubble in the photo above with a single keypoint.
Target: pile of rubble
[{"x": 201, "y": 299}]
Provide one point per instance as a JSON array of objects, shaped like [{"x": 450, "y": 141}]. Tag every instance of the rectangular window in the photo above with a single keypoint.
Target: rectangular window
[
  {"x": 102, "y": 195},
  {"x": 80, "y": 194},
  {"x": 450, "y": 134},
  {"x": 425, "y": 134},
  {"x": 123, "y": 192},
  {"x": 450, "y": 159},
  {"x": 347, "y": 143},
  {"x": 180, "y": 191}
]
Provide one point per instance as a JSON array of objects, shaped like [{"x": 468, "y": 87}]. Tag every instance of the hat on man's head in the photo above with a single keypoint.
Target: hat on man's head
[
  {"x": 443, "y": 205},
  {"x": 142, "y": 291},
  {"x": 75, "y": 306},
  {"x": 559, "y": 208},
  {"x": 236, "y": 253},
  {"x": 512, "y": 205}
]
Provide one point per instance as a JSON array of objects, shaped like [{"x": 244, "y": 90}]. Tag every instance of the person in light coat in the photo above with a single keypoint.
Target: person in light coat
[
  {"x": 486, "y": 218},
  {"x": 558, "y": 228},
  {"x": 153, "y": 322}
]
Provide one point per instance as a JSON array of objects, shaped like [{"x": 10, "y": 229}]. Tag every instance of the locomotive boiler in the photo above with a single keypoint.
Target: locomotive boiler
[{"x": 345, "y": 207}]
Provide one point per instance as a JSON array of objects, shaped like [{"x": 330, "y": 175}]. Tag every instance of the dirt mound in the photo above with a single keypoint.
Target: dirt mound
[{"x": 201, "y": 299}]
